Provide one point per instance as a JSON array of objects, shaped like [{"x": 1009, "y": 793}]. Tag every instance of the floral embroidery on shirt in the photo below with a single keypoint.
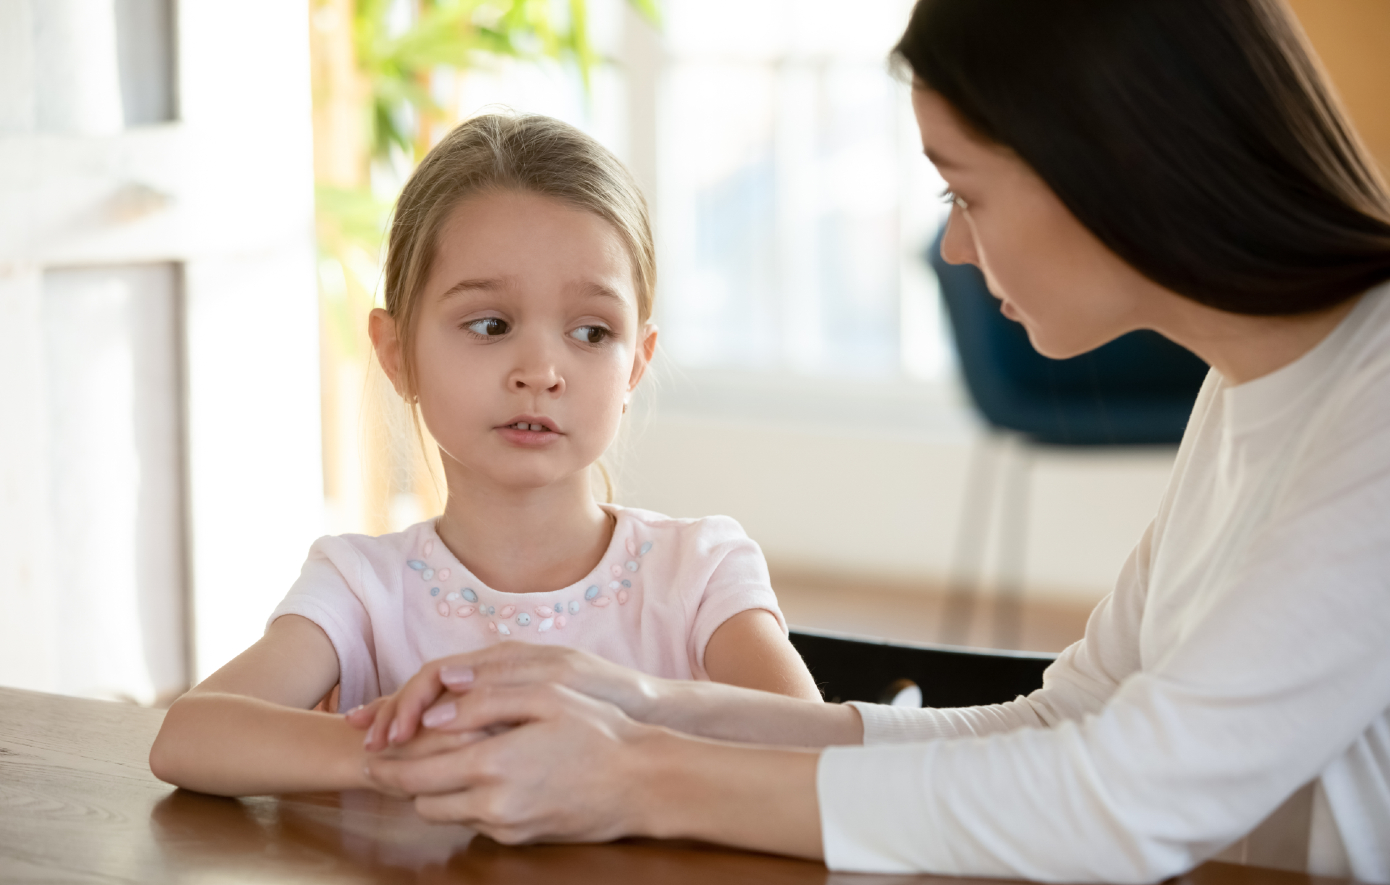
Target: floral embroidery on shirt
[{"x": 464, "y": 602}]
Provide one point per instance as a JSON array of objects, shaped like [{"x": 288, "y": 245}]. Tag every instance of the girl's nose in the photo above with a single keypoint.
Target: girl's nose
[
  {"x": 537, "y": 371},
  {"x": 958, "y": 245}
]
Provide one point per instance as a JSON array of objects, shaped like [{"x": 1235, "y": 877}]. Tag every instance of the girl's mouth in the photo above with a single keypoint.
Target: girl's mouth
[
  {"x": 530, "y": 424},
  {"x": 530, "y": 431}
]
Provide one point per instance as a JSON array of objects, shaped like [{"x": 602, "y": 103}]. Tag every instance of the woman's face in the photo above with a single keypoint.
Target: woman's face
[{"x": 1068, "y": 290}]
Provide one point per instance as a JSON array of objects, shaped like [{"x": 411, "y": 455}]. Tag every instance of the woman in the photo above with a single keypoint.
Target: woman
[{"x": 1175, "y": 165}]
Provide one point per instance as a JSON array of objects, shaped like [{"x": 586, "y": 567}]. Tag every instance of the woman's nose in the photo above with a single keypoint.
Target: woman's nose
[{"x": 958, "y": 245}]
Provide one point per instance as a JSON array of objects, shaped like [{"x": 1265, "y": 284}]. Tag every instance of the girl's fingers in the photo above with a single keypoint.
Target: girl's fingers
[
  {"x": 448, "y": 772},
  {"x": 430, "y": 743},
  {"x": 363, "y": 716},
  {"x": 504, "y": 706},
  {"x": 378, "y": 736},
  {"x": 511, "y": 663},
  {"x": 485, "y": 711},
  {"x": 418, "y": 693},
  {"x": 398, "y": 720},
  {"x": 440, "y": 715},
  {"x": 458, "y": 674}
]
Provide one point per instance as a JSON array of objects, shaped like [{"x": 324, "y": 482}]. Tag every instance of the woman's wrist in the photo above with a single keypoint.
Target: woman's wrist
[
  {"x": 667, "y": 703},
  {"x": 650, "y": 699},
  {"x": 722, "y": 712},
  {"x": 758, "y": 798}
]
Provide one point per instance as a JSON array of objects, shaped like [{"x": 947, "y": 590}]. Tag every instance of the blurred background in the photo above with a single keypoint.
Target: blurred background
[{"x": 192, "y": 203}]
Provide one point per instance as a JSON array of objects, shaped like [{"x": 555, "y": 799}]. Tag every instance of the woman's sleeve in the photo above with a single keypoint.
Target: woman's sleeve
[
  {"x": 324, "y": 593},
  {"x": 1284, "y": 670},
  {"x": 1077, "y": 684}
]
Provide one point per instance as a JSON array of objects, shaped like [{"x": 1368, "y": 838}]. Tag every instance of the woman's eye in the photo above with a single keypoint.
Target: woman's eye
[
  {"x": 949, "y": 196},
  {"x": 490, "y": 327},
  {"x": 591, "y": 334}
]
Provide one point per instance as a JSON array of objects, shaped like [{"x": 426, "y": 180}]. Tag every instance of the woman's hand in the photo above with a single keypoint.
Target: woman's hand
[
  {"x": 395, "y": 719},
  {"x": 524, "y": 763},
  {"x": 544, "y": 762}
]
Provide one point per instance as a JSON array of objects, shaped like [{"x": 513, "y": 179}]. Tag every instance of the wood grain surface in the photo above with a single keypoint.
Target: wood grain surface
[{"x": 78, "y": 804}]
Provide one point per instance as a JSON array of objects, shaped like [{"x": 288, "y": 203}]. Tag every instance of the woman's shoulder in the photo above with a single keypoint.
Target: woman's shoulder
[
  {"x": 1355, "y": 389},
  {"x": 1371, "y": 343}
]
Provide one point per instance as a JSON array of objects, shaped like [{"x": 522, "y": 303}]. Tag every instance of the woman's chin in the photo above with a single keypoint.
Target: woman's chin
[
  {"x": 1055, "y": 348},
  {"x": 1064, "y": 348}
]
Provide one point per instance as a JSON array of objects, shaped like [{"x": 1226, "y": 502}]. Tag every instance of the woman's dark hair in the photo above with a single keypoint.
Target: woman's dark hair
[{"x": 1197, "y": 139}]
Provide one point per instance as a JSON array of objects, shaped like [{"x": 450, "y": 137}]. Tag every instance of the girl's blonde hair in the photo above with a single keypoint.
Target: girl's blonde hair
[{"x": 501, "y": 152}]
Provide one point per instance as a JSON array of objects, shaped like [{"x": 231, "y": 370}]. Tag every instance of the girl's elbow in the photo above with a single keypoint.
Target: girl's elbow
[
  {"x": 163, "y": 763},
  {"x": 169, "y": 749}
]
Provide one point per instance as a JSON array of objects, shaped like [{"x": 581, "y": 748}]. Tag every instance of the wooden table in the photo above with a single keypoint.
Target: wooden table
[{"x": 78, "y": 804}]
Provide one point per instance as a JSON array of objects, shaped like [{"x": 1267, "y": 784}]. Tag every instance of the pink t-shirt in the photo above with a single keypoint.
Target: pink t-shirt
[{"x": 392, "y": 603}]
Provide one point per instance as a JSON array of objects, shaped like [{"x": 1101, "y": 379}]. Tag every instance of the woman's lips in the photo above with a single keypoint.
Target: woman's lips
[{"x": 1009, "y": 311}]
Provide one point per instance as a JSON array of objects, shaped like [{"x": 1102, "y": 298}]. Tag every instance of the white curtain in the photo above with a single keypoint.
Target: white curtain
[{"x": 115, "y": 474}]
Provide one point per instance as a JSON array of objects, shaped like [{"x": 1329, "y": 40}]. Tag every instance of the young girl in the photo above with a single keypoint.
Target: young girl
[{"x": 519, "y": 285}]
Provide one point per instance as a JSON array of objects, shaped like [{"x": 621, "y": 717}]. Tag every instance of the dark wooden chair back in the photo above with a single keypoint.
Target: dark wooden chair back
[{"x": 849, "y": 669}]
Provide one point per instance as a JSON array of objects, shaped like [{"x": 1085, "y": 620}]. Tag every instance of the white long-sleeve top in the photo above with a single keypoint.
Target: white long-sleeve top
[{"x": 1244, "y": 653}]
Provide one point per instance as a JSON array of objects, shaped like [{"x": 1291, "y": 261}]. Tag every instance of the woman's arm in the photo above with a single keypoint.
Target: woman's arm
[
  {"x": 750, "y": 650},
  {"x": 247, "y": 729},
  {"x": 710, "y": 709}
]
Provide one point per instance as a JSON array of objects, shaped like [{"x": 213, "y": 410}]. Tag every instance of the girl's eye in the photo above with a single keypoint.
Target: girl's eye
[
  {"x": 591, "y": 334},
  {"x": 490, "y": 327}
]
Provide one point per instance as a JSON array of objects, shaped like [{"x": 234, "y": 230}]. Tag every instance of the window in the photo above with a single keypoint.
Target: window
[{"x": 793, "y": 202}]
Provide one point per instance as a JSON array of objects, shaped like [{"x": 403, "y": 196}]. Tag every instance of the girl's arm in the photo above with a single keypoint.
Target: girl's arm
[
  {"x": 751, "y": 651},
  {"x": 247, "y": 729}
]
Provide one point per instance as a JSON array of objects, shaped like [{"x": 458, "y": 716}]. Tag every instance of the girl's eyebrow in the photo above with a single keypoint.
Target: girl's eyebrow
[
  {"x": 599, "y": 290},
  {"x": 589, "y": 290},
  {"x": 472, "y": 286}
]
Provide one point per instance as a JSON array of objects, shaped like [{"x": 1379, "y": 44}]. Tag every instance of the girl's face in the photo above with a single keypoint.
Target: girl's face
[
  {"x": 1068, "y": 290},
  {"x": 527, "y": 342}
]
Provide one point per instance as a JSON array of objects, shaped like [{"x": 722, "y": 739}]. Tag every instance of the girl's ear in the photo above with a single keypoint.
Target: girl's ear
[
  {"x": 387, "y": 344},
  {"x": 646, "y": 349}
]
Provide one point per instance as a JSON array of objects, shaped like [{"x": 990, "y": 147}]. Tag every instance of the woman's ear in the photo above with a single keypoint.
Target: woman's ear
[
  {"x": 646, "y": 349},
  {"x": 381, "y": 328}
]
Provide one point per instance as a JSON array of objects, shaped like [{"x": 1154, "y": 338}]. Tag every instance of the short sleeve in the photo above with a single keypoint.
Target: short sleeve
[
  {"x": 737, "y": 582},
  {"x": 325, "y": 594}
]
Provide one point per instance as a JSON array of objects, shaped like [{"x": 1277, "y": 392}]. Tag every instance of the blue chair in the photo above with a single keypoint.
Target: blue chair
[{"x": 1136, "y": 390}]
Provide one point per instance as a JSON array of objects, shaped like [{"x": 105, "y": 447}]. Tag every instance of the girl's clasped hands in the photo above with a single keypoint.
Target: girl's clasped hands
[{"x": 471, "y": 739}]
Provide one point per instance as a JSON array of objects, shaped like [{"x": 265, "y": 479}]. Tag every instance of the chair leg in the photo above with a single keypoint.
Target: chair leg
[
  {"x": 972, "y": 536},
  {"x": 1017, "y": 475}
]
